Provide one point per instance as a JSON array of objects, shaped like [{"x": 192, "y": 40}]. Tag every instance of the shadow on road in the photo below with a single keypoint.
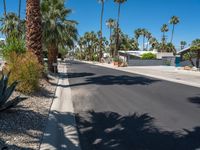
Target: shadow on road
[
  {"x": 195, "y": 100},
  {"x": 111, "y": 80},
  {"x": 78, "y": 75},
  {"x": 121, "y": 80},
  {"x": 111, "y": 131}
]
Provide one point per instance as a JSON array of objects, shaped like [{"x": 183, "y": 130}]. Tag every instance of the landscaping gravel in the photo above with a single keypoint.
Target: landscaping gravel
[{"x": 22, "y": 127}]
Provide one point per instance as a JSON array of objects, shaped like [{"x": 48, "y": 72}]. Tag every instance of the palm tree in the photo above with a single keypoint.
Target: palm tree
[
  {"x": 57, "y": 30},
  {"x": 183, "y": 44},
  {"x": 4, "y": 4},
  {"x": 119, "y": 2},
  {"x": 137, "y": 33},
  {"x": 164, "y": 29},
  {"x": 174, "y": 21},
  {"x": 9, "y": 24},
  {"x": 34, "y": 28},
  {"x": 111, "y": 24},
  {"x": 148, "y": 36},
  {"x": 153, "y": 42},
  {"x": 101, "y": 28}
]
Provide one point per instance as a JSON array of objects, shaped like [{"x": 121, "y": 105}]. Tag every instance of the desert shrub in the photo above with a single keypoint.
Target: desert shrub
[
  {"x": 148, "y": 56},
  {"x": 26, "y": 69}
]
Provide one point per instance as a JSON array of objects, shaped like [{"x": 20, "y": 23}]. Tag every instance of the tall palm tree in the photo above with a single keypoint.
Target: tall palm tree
[
  {"x": 34, "y": 28},
  {"x": 119, "y": 2},
  {"x": 4, "y": 4},
  {"x": 57, "y": 29},
  {"x": 164, "y": 29},
  {"x": 101, "y": 27},
  {"x": 174, "y": 21},
  {"x": 111, "y": 24}
]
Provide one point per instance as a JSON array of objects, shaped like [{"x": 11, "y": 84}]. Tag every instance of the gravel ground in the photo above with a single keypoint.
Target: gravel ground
[{"x": 22, "y": 127}]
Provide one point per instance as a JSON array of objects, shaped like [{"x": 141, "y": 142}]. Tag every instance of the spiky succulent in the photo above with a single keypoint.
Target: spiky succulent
[{"x": 5, "y": 93}]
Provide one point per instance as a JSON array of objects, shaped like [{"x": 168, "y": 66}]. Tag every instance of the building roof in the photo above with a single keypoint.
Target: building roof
[{"x": 183, "y": 50}]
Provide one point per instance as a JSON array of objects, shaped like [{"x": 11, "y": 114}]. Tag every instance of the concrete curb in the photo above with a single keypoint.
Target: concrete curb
[
  {"x": 146, "y": 74},
  {"x": 61, "y": 132}
]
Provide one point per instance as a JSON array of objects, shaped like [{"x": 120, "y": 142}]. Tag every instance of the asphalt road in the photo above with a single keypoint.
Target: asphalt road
[{"x": 122, "y": 111}]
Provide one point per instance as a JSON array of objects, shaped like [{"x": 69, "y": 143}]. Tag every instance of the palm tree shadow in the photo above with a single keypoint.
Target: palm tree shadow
[
  {"x": 65, "y": 132},
  {"x": 112, "y": 131},
  {"x": 115, "y": 80},
  {"x": 121, "y": 80},
  {"x": 195, "y": 100}
]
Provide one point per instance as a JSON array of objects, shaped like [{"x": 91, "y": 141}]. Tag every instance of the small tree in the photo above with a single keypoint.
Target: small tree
[
  {"x": 148, "y": 56},
  {"x": 194, "y": 52}
]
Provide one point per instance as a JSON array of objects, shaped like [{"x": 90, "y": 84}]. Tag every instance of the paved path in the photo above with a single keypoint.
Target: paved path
[
  {"x": 116, "y": 110},
  {"x": 61, "y": 132}
]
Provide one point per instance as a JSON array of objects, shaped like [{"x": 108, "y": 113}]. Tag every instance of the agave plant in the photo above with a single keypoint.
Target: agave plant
[{"x": 5, "y": 93}]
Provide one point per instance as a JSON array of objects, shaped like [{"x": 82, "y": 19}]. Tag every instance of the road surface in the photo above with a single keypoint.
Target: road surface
[{"x": 122, "y": 111}]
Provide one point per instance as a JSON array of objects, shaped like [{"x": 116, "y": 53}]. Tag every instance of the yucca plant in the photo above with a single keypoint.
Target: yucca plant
[{"x": 5, "y": 93}]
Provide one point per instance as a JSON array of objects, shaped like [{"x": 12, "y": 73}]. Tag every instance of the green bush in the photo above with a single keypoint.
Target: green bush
[
  {"x": 13, "y": 44},
  {"x": 148, "y": 56},
  {"x": 26, "y": 69},
  {"x": 95, "y": 57},
  {"x": 117, "y": 59}
]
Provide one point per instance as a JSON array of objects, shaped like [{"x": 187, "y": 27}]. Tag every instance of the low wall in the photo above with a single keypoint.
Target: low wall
[
  {"x": 140, "y": 62},
  {"x": 187, "y": 63}
]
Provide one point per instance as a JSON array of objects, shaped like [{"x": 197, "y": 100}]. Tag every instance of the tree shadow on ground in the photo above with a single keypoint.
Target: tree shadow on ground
[
  {"x": 78, "y": 75},
  {"x": 121, "y": 80},
  {"x": 195, "y": 100},
  {"x": 21, "y": 122},
  {"x": 114, "y": 80},
  {"x": 64, "y": 135},
  {"x": 43, "y": 92},
  {"x": 111, "y": 131}
]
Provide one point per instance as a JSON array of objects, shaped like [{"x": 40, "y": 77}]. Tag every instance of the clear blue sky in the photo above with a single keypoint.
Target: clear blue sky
[{"x": 150, "y": 14}]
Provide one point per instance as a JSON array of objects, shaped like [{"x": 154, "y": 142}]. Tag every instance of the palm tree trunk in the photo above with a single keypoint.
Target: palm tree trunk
[
  {"x": 101, "y": 36},
  {"x": 172, "y": 33},
  {"x": 34, "y": 28},
  {"x": 147, "y": 45},
  {"x": 52, "y": 58},
  {"x": 198, "y": 58},
  {"x": 163, "y": 38},
  {"x": 111, "y": 53},
  {"x": 117, "y": 38},
  {"x": 19, "y": 9},
  {"x": 19, "y": 21},
  {"x": 4, "y": 3},
  {"x": 143, "y": 42}
]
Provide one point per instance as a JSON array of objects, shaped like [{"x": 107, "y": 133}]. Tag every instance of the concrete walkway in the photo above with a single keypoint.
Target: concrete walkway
[
  {"x": 61, "y": 132},
  {"x": 167, "y": 73}
]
